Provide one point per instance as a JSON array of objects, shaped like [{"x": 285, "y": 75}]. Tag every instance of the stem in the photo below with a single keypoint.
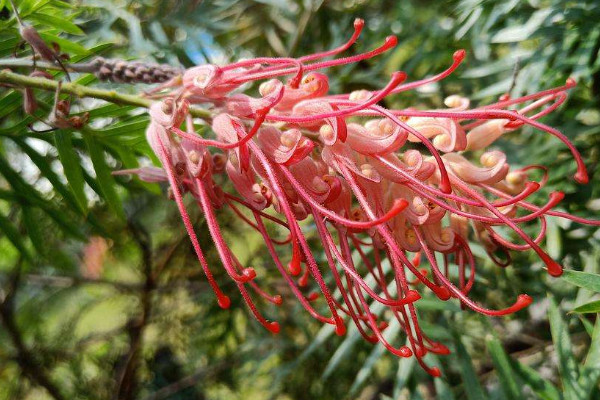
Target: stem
[
  {"x": 84, "y": 91},
  {"x": 27, "y": 62}
]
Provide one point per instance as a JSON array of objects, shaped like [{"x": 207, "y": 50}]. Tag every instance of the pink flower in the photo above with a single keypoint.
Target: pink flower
[{"x": 378, "y": 207}]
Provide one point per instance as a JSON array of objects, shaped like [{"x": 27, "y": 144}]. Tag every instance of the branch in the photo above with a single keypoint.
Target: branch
[
  {"x": 189, "y": 381},
  {"x": 126, "y": 379},
  {"x": 8, "y": 77}
]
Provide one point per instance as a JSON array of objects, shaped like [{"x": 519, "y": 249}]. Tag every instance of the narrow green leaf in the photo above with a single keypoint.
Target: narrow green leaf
[
  {"x": 540, "y": 386},
  {"x": 582, "y": 279},
  {"x": 591, "y": 265},
  {"x": 588, "y": 308},
  {"x": 406, "y": 366},
  {"x": 592, "y": 359},
  {"x": 13, "y": 236},
  {"x": 567, "y": 365},
  {"x": 44, "y": 166},
  {"x": 367, "y": 368},
  {"x": 33, "y": 230},
  {"x": 506, "y": 376},
  {"x": 473, "y": 388},
  {"x": 343, "y": 351},
  {"x": 29, "y": 195},
  {"x": 104, "y": 178},
  {"x": 65, "y": 45},
  {"x": 57, "y": 22},
  {"x": 71, "y": 166}
]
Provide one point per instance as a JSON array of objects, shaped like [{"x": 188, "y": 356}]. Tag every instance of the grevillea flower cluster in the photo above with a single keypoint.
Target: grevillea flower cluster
[{"x": 383, "y": 189}]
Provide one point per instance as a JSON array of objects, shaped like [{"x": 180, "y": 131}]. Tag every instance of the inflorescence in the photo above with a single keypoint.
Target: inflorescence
[{"x": 382, "y": 188}]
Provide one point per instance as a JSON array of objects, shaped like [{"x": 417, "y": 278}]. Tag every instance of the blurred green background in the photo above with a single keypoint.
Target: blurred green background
[{"x": 102, "y": 297}]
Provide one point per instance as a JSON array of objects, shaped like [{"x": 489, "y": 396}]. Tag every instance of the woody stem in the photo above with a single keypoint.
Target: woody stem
[{"x": 8, "y": 77}]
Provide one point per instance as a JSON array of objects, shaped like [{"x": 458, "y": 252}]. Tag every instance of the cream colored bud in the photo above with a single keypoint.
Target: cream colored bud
[
  {"x": 327, "y": 132},
  {"x": 194, "y": 156},
  {"x": 489, "y": 160},
  {"x": 266, "y": 88},
  {"x": 441, "y": 141},
  {"x": 359, "y": 95},
  {"x": 367, "y": 170},
  {"x": 288, "y": 139},
  {"x": 515, "y": 178}
]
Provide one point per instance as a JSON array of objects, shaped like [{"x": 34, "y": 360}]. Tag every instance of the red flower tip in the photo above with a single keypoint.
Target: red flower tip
[
  {"x": 383, "y": 325},
  {"x": 340, "y": 328},
  {"x": 571, "y": 82},
  {"x": 249, "y": 273},
  {"x": 412, "y": 296},
  {"x": 523, "y": 300},
  {"x": 273, "y": 327},
  {"x": 440, "y": 349},
  {"x": 405, "y": 352},
  {"x": 459, "y": 55},
  {"x": 303, "y": 281},
  {"x": 441, "y": 292},
  {"x": 223, "y": 301},
  {"x": 398, "y": 77},
  {"x": 445, "y": 185},
  {"x": 554, "y": 268},
  {"x": 390, "y": 42},
  {"x": 312, "y": 296},
  {"x": 277, "y": 300},
  {"x": 359, "y": 23},
  {"x": 557, "y": 197},
  {"x": 582, "y": 176},
  {"x": 435, "y": 372},
  {"x": 294, "y": 266}
]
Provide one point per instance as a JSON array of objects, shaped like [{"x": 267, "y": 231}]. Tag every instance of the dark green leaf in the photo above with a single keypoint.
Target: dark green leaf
[
  {"x": 12, "y": 234},
  {"x": 506, "y": 376},
  {"x": 104, "y": 178},
  {"x": 473, "y": 388},
  {"x": 588, "y": 308},
  {"x": 71, "y": 166},
  {"x": 583, "y": 279}
]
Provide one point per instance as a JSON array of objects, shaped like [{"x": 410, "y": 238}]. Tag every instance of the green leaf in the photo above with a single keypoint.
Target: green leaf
[
  {"x": 506, "y": 376},
  {"x": 13, "y": 235},
  {"x": 406, "y": 366},
  {"x": 66, "y": 46},
  {"x": 540, "y": 386},
  {"x": 588, "y": 308},
  {"x": 104, "y": 178},
  {"x": 71, "y": 166},
  {"x": 343, "y": 351},
  {"x": 33, "y": 229},
  {"x": 592, "y": 359},
  {"x": 44, "y": 166},
  {"x": 367, "y": 368},
  {"x": 473, "y": 388},
  {"x": 567, "y": 365},
  {"x": 57, "y": 22},
  {"x": 582, "y": 279},
  {"x": 28, "y": 195}
]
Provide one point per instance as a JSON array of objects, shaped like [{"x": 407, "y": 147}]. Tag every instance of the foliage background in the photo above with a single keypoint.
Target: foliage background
[{"x": 137, "y": 321}]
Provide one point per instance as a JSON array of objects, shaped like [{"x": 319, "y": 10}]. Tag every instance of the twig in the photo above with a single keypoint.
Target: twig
[
  {"x": 25, "y": 358},
  {"x": 8, "y": 77},
  {"x": 114, "y": 70}
]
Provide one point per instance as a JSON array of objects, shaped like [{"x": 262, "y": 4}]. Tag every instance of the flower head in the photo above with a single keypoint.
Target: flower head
[{"x": 384, "y": 191}]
